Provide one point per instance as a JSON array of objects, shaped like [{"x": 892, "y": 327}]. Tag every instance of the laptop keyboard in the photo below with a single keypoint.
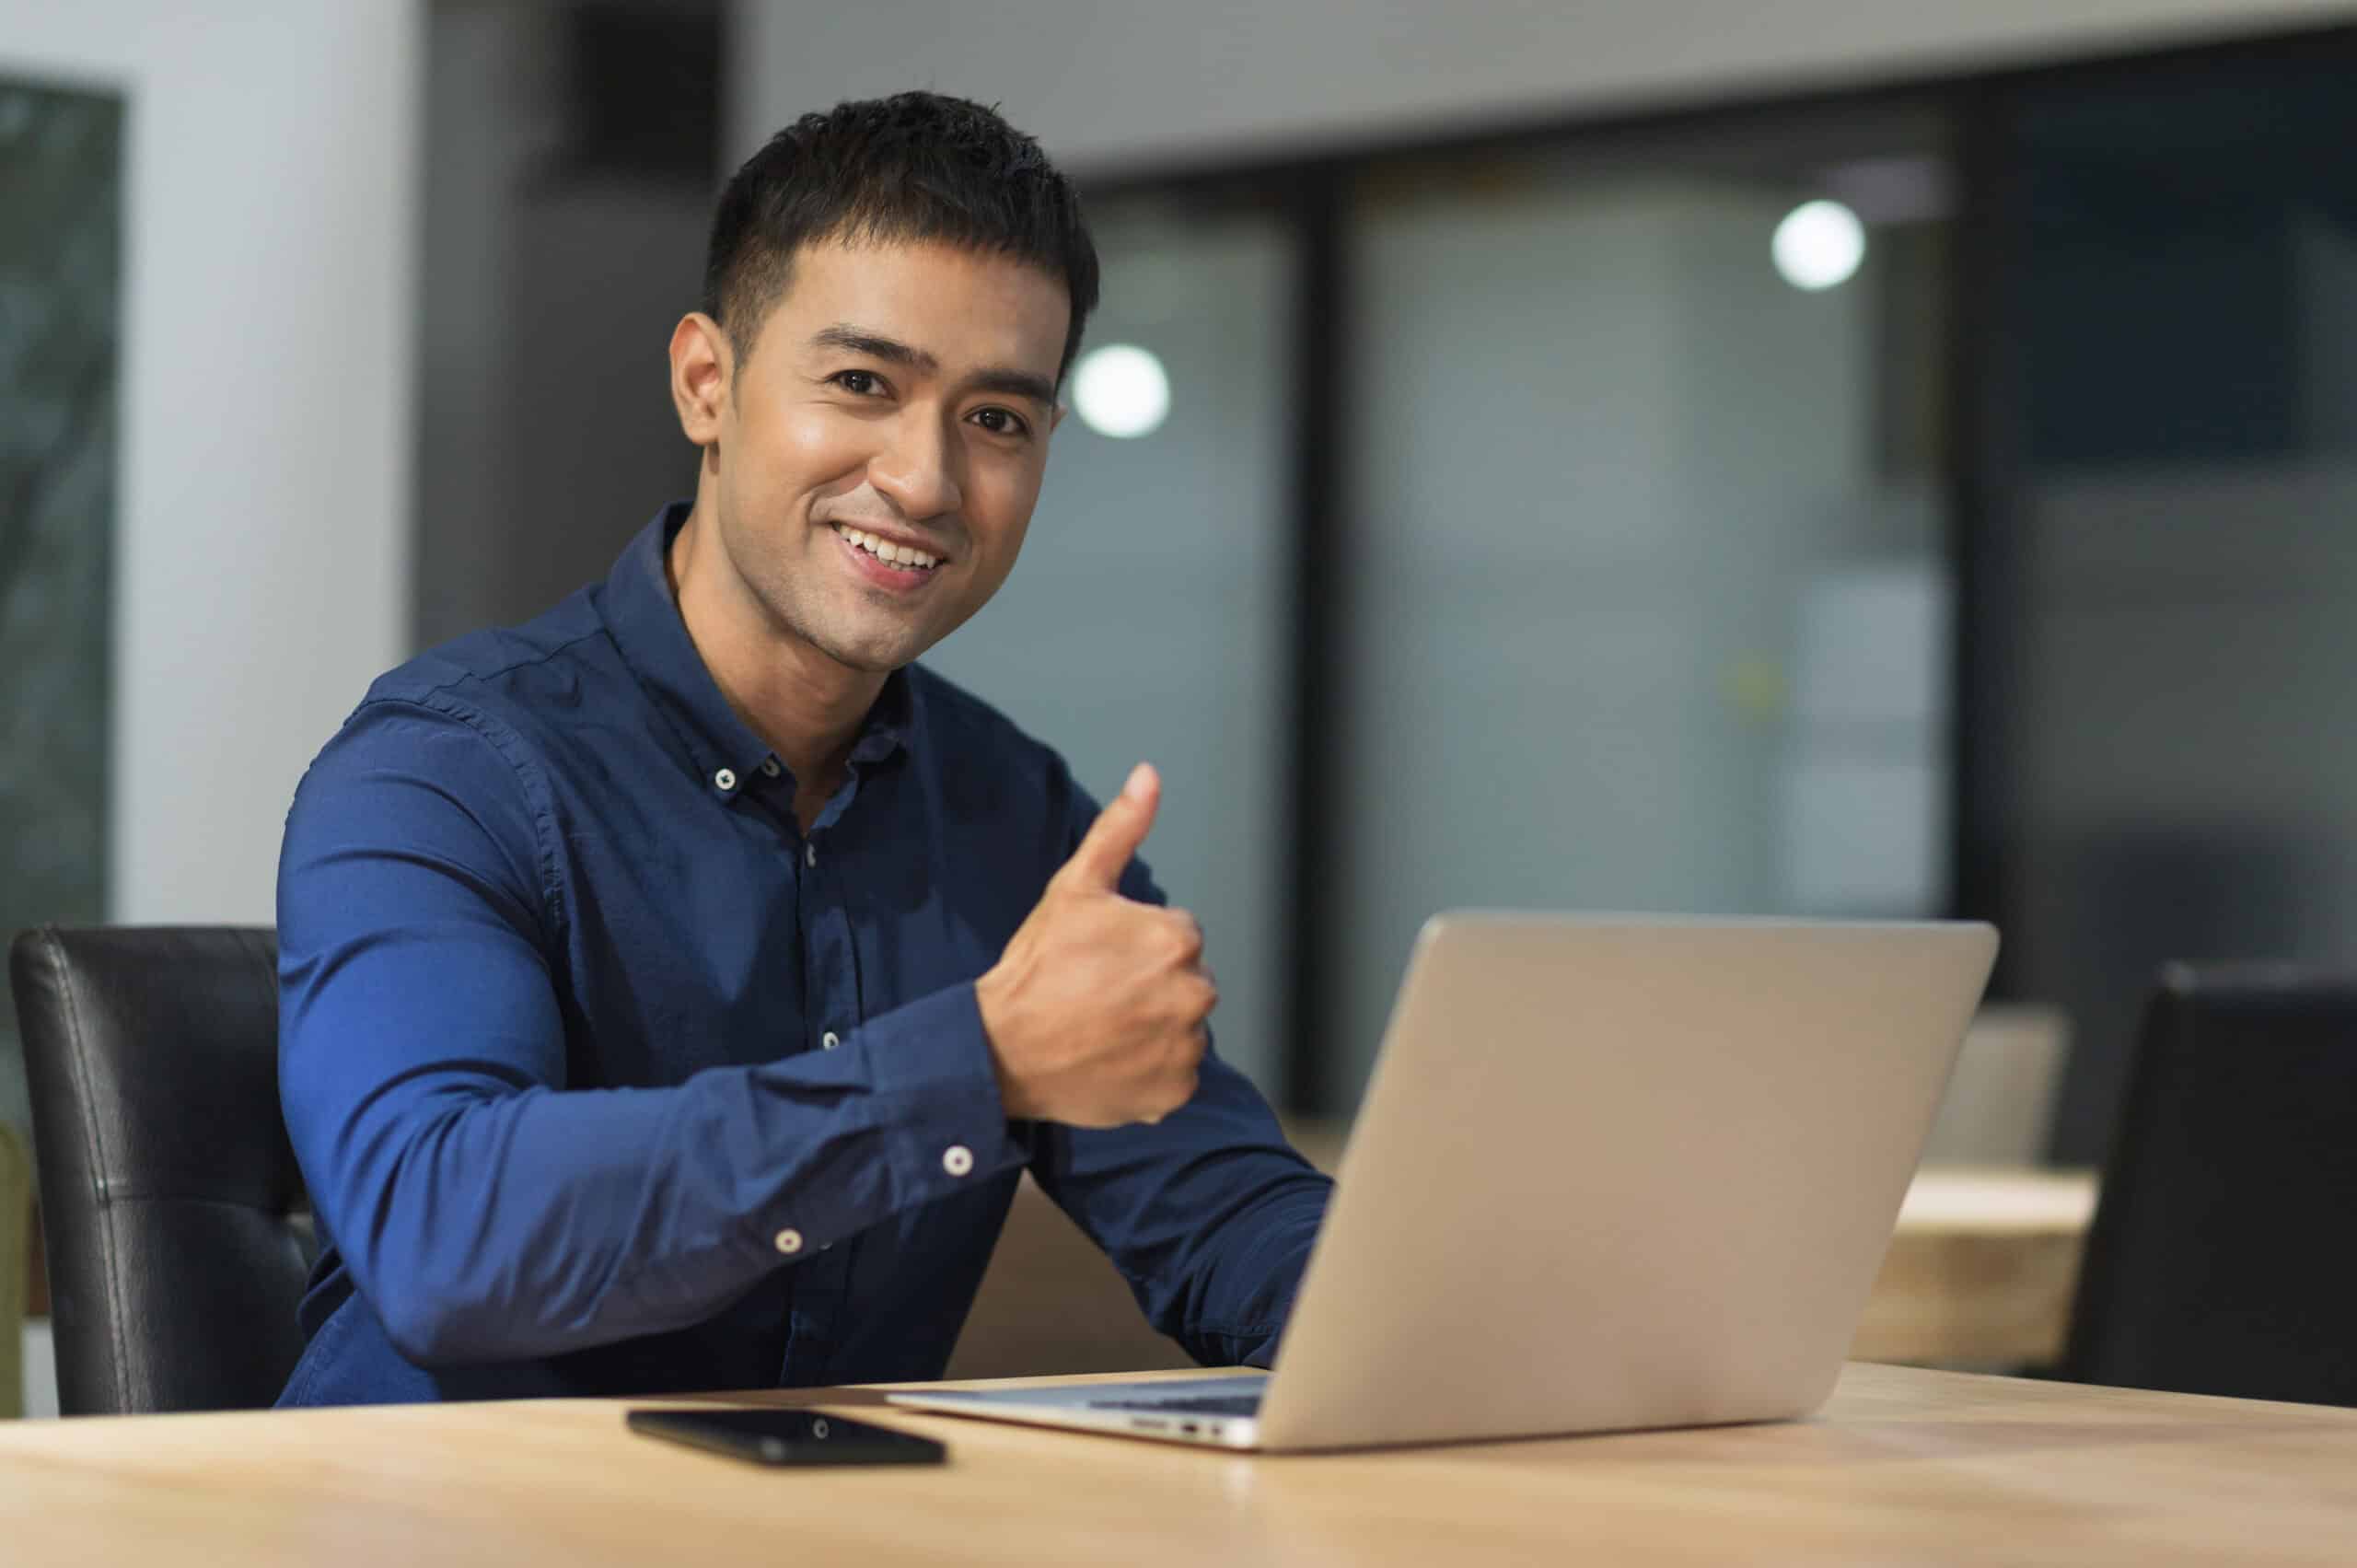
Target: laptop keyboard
[{"x": 1199, "y": 1404}]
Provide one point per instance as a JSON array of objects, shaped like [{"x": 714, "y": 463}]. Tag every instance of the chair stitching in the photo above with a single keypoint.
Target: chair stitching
[{"x": 115, "y": 1330}]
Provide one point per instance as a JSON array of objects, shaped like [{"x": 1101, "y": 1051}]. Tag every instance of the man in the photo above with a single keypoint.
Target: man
[{"x": 674, "y": 988}]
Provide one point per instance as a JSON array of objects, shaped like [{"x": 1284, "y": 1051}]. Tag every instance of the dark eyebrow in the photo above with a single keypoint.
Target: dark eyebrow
[
  {"x": 851, "y": 339},
  {"x": 1016, "y": 384},
  {"x": 1007, "y": 381}
]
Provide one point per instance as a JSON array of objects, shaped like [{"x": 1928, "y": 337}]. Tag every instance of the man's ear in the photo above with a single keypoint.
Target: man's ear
[{"x": 701, "y": 368}]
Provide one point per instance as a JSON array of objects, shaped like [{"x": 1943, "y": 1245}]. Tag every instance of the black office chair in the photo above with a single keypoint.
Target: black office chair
[
  {"x": 171, "y": 1203},
  {"x": 2223, "y": 1255}
]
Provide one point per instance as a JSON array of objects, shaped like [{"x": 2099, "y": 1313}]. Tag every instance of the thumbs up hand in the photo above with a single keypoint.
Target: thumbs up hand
[{"x": 1095, "y": 1010}]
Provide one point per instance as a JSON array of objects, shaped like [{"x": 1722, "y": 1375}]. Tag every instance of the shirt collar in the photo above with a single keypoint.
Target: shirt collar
[{"x": 643, "y": 619}]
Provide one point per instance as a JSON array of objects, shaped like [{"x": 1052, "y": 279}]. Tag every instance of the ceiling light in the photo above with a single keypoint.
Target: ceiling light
[
  {"x": 1819, "y": 244},
  {"x": 1121, "y": 391}
]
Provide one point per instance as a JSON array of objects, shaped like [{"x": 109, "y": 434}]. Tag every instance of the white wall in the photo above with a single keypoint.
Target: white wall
[
  {"x": 261, "y": 550},
  {"x": 1107, "y": 85}
]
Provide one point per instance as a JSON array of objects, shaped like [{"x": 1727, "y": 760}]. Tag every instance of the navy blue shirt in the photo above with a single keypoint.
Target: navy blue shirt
[{"x": 608, "y": 1079}]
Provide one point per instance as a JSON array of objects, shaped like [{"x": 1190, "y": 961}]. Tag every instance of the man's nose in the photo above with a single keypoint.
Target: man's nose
[{"x": 917, "y": 471}]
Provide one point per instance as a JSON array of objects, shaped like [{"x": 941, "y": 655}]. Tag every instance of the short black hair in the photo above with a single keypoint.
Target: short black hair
[{"x": 916, "y": 166}]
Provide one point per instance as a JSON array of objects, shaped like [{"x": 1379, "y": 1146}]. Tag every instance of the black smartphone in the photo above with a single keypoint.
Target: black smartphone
[{"x": 788, "y": 1437}]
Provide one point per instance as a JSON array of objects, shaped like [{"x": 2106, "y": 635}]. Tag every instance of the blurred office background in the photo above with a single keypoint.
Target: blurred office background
[{"x": 1775, "y": 457}]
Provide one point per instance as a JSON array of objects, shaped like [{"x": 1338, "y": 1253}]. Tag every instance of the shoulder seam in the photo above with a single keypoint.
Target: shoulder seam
[
  {"x": 537, "y": 797},
  {"x": 541, "y": 656}
]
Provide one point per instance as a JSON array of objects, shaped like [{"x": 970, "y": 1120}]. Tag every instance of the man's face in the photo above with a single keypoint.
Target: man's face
[{"x": 895, "y": 408}]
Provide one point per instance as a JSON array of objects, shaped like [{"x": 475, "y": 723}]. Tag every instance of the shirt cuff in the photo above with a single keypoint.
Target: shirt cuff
[{"x": 947, "y": 1128}]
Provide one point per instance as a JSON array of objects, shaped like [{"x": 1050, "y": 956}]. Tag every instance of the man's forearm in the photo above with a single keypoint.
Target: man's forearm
[
  {"x": 1244, "y": 1290},
  {"x": 1210, "y": 1216}
]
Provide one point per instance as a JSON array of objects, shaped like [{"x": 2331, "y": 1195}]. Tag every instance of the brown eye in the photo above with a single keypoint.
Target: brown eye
[{"x": 860, "y": 383}]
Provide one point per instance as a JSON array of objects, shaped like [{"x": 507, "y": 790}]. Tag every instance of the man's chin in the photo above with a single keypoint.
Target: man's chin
[{"x": 876, "y": 653}]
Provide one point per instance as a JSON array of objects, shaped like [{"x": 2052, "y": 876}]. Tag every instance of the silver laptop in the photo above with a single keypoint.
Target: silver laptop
[{"x": 1609, "y": 1173}]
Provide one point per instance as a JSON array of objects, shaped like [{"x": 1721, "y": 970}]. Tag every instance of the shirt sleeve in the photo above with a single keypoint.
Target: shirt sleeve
[
  {"x": 1209, "y": 1214},
  {"x": 487, "y": 1208}
]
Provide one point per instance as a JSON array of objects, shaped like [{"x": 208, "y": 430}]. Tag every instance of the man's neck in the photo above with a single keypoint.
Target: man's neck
[{"x": 807, "y": 706}]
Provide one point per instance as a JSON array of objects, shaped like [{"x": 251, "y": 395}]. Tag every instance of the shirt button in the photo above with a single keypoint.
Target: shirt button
[
  {"x": 768, "y": 767},
  {"x": 957, "y": 1159},
  {"x": 809, "y": 854},
  {"x": 789, "y": 1241},
  {"x": 829, "y": 1041},
  {"x": 725, "y": 780}
]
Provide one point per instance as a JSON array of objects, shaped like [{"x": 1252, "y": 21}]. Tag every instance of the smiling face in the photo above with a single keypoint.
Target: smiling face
[{"x": 869, "y": 469}]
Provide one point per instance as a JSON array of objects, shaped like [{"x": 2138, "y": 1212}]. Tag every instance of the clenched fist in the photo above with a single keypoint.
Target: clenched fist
[{"x": 1095, "y": 1010}]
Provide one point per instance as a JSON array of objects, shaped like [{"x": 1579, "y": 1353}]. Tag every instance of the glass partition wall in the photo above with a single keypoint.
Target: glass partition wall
[
  {"x": 1932, "y": 500},
  {"x": 2179, "y": 550},
  {"x": 1645, "y": 529}
]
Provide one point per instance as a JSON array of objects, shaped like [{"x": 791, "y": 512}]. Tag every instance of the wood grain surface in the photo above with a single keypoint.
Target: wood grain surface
[{"x": 1902, "y": 1465}]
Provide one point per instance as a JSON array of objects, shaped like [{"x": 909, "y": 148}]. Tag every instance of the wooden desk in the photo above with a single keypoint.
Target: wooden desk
[
  {"x": 1902, "y": 1465},
  {"x": 1981, "y": 1269}
]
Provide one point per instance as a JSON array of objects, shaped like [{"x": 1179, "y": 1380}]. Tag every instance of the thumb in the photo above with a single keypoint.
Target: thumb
[{"x": 1116, "y": 834}]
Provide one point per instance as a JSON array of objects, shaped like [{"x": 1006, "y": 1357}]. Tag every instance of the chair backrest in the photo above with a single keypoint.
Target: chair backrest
[
  {"x": 2221, "y": 1260},
  {"x": 170, "y": 1201}
]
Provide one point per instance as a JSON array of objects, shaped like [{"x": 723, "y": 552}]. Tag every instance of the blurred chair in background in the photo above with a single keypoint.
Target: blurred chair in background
[
  {"x": 2221, "y": 1259},
  {"x": 15, "y": 1241},
  {"x": 171, "y": 1205},
  {"x": 2000, "y": 1103}
]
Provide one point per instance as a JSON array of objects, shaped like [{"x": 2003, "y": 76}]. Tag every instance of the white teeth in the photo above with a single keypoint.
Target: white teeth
[{"x": 886, "y": 551}]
